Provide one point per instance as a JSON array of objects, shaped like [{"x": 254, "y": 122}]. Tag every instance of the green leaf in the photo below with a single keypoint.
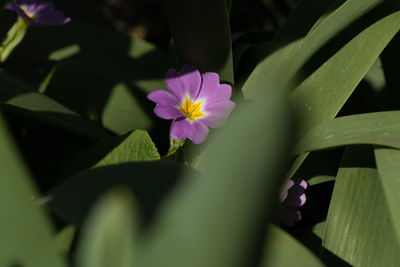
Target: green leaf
[
  {"x": 322, "y": 95},
  {"x": 359, "y": 229},
  {"x": 44, "y": 109},
  {"x": 389, "y": 174},
  {"x": 203, "y": 40},
  {"x": 283, "y": 250},
  {"x": 108, "y": 238},
  {"x": 123, "y": 111},
  {"x": 63, "y": 239},
  {"x": 320, "y": 179},
  {"x": 26, "y": 232},
  {"x": 240, "y": 176},
  {"x": 381, "y": 128},
  {"x": 136, "y": 146},
  {"x": 110, "y": 88},
  {"x": 295, "y": 54},
  {"x": 149, "y": 181}
]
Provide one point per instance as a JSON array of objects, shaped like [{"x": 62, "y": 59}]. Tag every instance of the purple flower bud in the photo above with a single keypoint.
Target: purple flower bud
[
  {"x": 38, "y": 12},
  {"x": 198, "y": 101},
  {"x": 292, "y": 197}
]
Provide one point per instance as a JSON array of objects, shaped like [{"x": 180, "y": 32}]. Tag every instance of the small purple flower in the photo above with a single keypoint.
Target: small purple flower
[
  {"x": 198, "y": 101},
  {"x": 292, "y": 197},
  {"x": 38, "y": 12}
]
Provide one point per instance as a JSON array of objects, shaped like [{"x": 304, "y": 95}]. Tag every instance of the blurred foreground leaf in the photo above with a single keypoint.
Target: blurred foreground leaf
[
  {"x": 282, "y": 250},
  {"x": 218, "y": 218},
  {"x": 149, "y": 181},
  {"x": 26, "y": 233},
  {"x": 108, "y": 234},
  {"x": 359, "y": 229},
  {"x": 388, "y": 161},
  {"x": 381, "y": 128}
]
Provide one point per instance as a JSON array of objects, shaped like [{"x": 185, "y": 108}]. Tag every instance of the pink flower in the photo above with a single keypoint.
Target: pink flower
[
  {"x": 292, "y": 197},
  {"x": 196, "y": 102},
  {"x": 37, "y": 12}
]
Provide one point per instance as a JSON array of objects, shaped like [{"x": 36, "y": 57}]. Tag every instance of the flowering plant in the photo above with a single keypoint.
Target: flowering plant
[{"x": 110, "y": 156}]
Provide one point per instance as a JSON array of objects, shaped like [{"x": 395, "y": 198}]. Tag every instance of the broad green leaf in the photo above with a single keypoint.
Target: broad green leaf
[
  {"x": 136, "y": 146},
  {"x": 26, "y": 232},
  {"x": 231, "y": 199},
  {"x": 282, "y": 250},
  {"x": 359, "y": 229},
  {"x": 201, "y": 34},
  {"x": 381, "y": 128},
  {"x": 123, "y": 112},
  {"x": 321, "y": 96},
  {"x": 108, "y": 238},
  {"x": 296, "y": 54},
  {"x": 44, "y": 109},
  {"x": 149, "y": 181},
  {"x": 388, "y": 167}
]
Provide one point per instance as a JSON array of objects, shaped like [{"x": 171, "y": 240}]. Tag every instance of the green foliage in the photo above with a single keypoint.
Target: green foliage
[
  {"x": 320, "y": 103},
  {"x": 24, "y": 243},
  {"x": 358, "y": 198}
]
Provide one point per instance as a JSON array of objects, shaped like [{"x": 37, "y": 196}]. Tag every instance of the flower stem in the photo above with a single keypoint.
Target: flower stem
[
  {"x": 13, "y": 38},
  {"x": 175, "y": 145}
]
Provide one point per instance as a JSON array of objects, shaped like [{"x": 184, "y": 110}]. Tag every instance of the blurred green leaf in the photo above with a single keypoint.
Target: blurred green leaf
[
  {"x": 282, "y": 250},
  {"x": 149, "y": 181},
  {"x": 63, "y": 239},
  {"x": 26, "y": 232},
  {"x": 388, "y": 161},
  {"x": 201, "y": 34},
  {"x": 296, "y": 53},
  {"x": 136, "y": 146},
  {"x": 359, "y": 229},
  {"x": 381, "y": 128},
  {"x": 108, "y": 238},
  {"x": 233, "y": 197}
]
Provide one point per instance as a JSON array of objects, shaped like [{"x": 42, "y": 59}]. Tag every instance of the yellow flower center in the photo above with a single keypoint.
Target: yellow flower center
[{"x": 192, "y": 111}]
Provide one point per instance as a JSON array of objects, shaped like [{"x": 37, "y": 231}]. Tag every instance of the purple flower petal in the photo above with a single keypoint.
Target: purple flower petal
[
  {"x": 167, "y": 112},
  {"x": 187, "y": 81},
  {"x": 212, "y": 91},
  {"x": 163, "y": 98},
  {"x": 38, "y": 12},
  {"x": 196, "y": 131},
  {"x": 217, "y": 113},
  {"x": 284, "y": 192},
  {"x": 296, "y": 196}
]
